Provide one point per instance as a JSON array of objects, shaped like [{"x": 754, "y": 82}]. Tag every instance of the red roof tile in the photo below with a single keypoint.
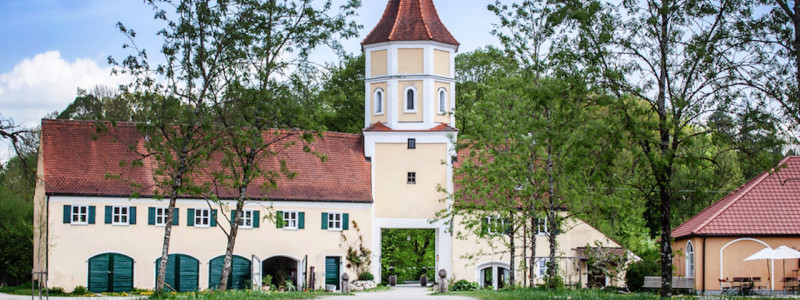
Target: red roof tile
[
  {"x": 767, "y": 205},
  {"x": 76, "y": 159},
  {"x": 410, "y": 20},
  {"x": 379, "y": 127}
]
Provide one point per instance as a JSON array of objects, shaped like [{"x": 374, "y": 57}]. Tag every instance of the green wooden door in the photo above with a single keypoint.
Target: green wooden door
[
  {"x": 183, "y": 273},
  {"x": 332, "y": 271},
  {"x": 110, "y": 272},
  {"x": 240, "y": 273}
]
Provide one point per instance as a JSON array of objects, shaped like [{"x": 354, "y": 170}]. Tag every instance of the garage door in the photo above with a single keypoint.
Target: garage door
[
  {"x": 240, "y": 273},
  {"x": 182, "y": 273},
  {"x": 110, "y": 272}
]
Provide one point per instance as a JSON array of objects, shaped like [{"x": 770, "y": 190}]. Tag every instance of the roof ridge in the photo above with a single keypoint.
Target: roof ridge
[
  {"x": 394, "y": 24},
  {"x": 737, "y": 195}
]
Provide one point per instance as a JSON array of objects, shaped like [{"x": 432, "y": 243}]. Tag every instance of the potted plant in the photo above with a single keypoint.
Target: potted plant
[{"x": 266, "y": 282}]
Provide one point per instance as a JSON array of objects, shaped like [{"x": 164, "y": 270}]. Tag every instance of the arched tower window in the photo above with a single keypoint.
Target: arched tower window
[
  {"x": 689, "y": 259},
  {"x": 410, "y": 103},
  {"x": 379, "y": 101},
  {"x": 442, "y": 101}
]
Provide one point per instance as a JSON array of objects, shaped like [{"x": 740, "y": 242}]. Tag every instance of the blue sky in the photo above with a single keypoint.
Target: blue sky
[{"x": 49, "y": 48}]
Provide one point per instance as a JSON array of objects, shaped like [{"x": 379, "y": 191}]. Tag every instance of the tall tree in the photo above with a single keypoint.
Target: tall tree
[
  {"x": 258, "y": 109},
  {"x": 671, "y": 55},
  {"x": 342, "y": 95},
  {"x": 175, "y": 97}
]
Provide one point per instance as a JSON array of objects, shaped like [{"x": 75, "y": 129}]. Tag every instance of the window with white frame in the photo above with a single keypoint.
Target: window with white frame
[
  {"x": 442, "y": 101},
  {"x": 410, "y": 100},
  {"x": 161, "y": 216},
  {"x": 334, "y": 221},
  {"x": 247, "y": 219},
  {"x": 541, "y": 267},
  {"x": 290, "y": 220},
  {"x": 689, "y": 259},
  {"x": 379, "y": 101},
  {"x": 80, "y": 214},
  {"x": 541, "y": 226},
  {"x": 496, "y": 225},
  {"x": 202, "y": 217},
  {"x": 119, "y": 215}
]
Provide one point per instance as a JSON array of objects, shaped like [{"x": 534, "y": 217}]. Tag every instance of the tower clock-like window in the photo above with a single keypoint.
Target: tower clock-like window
[
  {"x": 410, "y": 103},
  {"x": 378, "y": 101},
  {"x": 442, "y": 101}
]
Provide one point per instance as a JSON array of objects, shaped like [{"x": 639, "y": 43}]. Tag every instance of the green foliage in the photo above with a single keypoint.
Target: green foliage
[
  {"x": 102, "y": 103},
  {"x": 16, "y": 211},
  {"x": 357, "y": 254},
  {"x": 366, "y": 275},
  {"x": 648, "y": 266},
  {"x": 80, "y": 291},
  {"x": 407, "y": 253},
  {"x": 554, "y": 282},
  {"x": 524, "y": 293},
  {"x": 464, "y": 286},
  {"x": 342, "y": 95}
]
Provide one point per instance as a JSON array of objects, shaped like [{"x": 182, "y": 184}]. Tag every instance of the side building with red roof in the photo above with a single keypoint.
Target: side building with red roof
[
  {"x": 99, "y": 222},
  {"x": 763, "y": 213}
]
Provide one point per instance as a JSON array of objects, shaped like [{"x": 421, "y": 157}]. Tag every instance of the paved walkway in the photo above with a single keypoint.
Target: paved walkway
[{"x": 397, "y": 293}]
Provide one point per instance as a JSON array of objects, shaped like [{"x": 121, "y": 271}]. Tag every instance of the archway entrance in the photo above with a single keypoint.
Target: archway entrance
[
  {"x": 408, "y": 254},
  {"x": 282, "y": 269}
]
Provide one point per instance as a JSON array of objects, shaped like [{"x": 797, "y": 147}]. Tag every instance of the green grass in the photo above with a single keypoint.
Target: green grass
[
  {"x": 570, "y": 294},
  {"x": 231, "y": 295}
]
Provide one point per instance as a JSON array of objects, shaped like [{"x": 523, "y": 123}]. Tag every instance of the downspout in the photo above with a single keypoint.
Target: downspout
[
  {"x": 704, "y": 265},
  {"x": 47, "y": 241}
]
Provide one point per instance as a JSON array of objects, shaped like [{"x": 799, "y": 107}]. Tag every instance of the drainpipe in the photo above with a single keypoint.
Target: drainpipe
[
  {"x": 704, "y": 265},
  {"x": 47, "y": 241}
]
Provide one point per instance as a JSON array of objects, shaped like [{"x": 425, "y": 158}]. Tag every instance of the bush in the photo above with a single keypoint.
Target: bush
[
  {"x": 554, "y": 283},
  {"x": 464, "y": 286},
  {"x": 80, "y": 290},
  {"x": 56, "y": 291},
  {"x": 366, "y": 275},
  {"x": 636, "y": 272}
]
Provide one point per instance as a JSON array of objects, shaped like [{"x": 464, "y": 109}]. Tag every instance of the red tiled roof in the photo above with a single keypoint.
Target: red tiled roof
[
  {"x": 379, "y": 127},
  {"x": 767, "y": 205},
  {"x": 76, "y": 158},
  {"x": 410, "y": 20}
]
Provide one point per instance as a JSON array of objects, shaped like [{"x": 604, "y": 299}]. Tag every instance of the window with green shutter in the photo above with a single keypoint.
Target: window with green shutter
[
  {"x": 78, "y": 214},
  {"x": 324, "y": 220},
  {"x": 190, "y": 217},
  {"x": 279, "y": 222}
]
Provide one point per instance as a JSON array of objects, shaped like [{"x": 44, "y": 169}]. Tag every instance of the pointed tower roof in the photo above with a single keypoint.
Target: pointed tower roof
[{"x": 410, "y": 20}]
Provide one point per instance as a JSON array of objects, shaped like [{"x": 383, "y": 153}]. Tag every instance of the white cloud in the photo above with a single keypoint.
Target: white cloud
[{"x": 47, "y": 83}]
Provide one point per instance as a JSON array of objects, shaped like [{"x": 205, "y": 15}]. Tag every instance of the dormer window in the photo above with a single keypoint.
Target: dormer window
[
  {"x": 378, "y": 101},
  {"x": 442, "y": 101},
  {"x": 410, "y": 103}
]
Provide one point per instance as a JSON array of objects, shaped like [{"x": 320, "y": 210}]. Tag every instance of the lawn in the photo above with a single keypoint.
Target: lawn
[{"x": 569, "y": 294}]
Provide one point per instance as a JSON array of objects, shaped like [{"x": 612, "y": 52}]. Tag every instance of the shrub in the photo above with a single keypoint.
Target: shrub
[
  {"x": 638, "y": 270},
  {"x": 366, "y": 275},
  {"x": 464, "y": 286},
  {"x": 554, "y": 283},
  {"x": 56, "y": 291},
  {"x": 80, "y": 290}
]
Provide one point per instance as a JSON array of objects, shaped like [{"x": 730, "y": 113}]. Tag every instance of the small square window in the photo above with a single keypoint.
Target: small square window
[
  {"x": 247, "y": 219},
  {"x": 79, "y": 214},
  {"x": 120, "y": 215},
  {"x": 541, "y": 226},
  {"x": 412, "y": 143},
  {"x": 412, "y": 177},
  {"x": 290, "y": 220},
  {"x": 202, "y": 217},
  {"x": 161, "y": 216},
  {"x": 334, "y": 221}
]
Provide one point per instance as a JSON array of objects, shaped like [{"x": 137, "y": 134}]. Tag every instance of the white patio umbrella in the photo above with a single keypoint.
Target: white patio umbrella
[
  {"x": 784, "y": 253},
  {"x": 764, "y": 254}
]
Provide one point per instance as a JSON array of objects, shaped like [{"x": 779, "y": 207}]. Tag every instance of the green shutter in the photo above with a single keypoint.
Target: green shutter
[
  {"x": 345, "y": 221},
  {"x": 233, "y": 215},
  {"x": 108, "y": 214},
  {"x": 301, "y": 220},
  {"x": 213, "y": 218},
  {"x": 132, "y": 215},
  {"x": 151, "y": 217},
  {"x": 256, "y": 219},
  {"x": 91, "y": 214},
  {"x": 190, "y": 217},
  {"x": 324, "y": 220},
  {"x": 279, "y": 219},
  {"x": 175, "y": 216},
  {"x": 484, "y": 226},
  {"x": 67, "y": 214}
]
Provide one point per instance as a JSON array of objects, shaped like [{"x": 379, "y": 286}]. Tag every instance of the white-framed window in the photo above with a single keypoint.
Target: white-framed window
[
  {"x": 161, "y": 216},
  {"x": 119, "y": 215},
  {"x": 247, "y": 219},
  {"x": 541, "y": 226},
  {"x": 541, "y": 267},
  {"x": 379, "y": 101},
  {"x": 334, "y": 221},
  {"x": 496, "y": 225},
  {"x": 442, "y": 101},
  {"x": 689, "y": 259},
  {"x": 410, "y": 100},
  {"x": 289, "y": 220},
  {"x": 202, "y": 217},
  {"x": 79, "y": 215}
]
